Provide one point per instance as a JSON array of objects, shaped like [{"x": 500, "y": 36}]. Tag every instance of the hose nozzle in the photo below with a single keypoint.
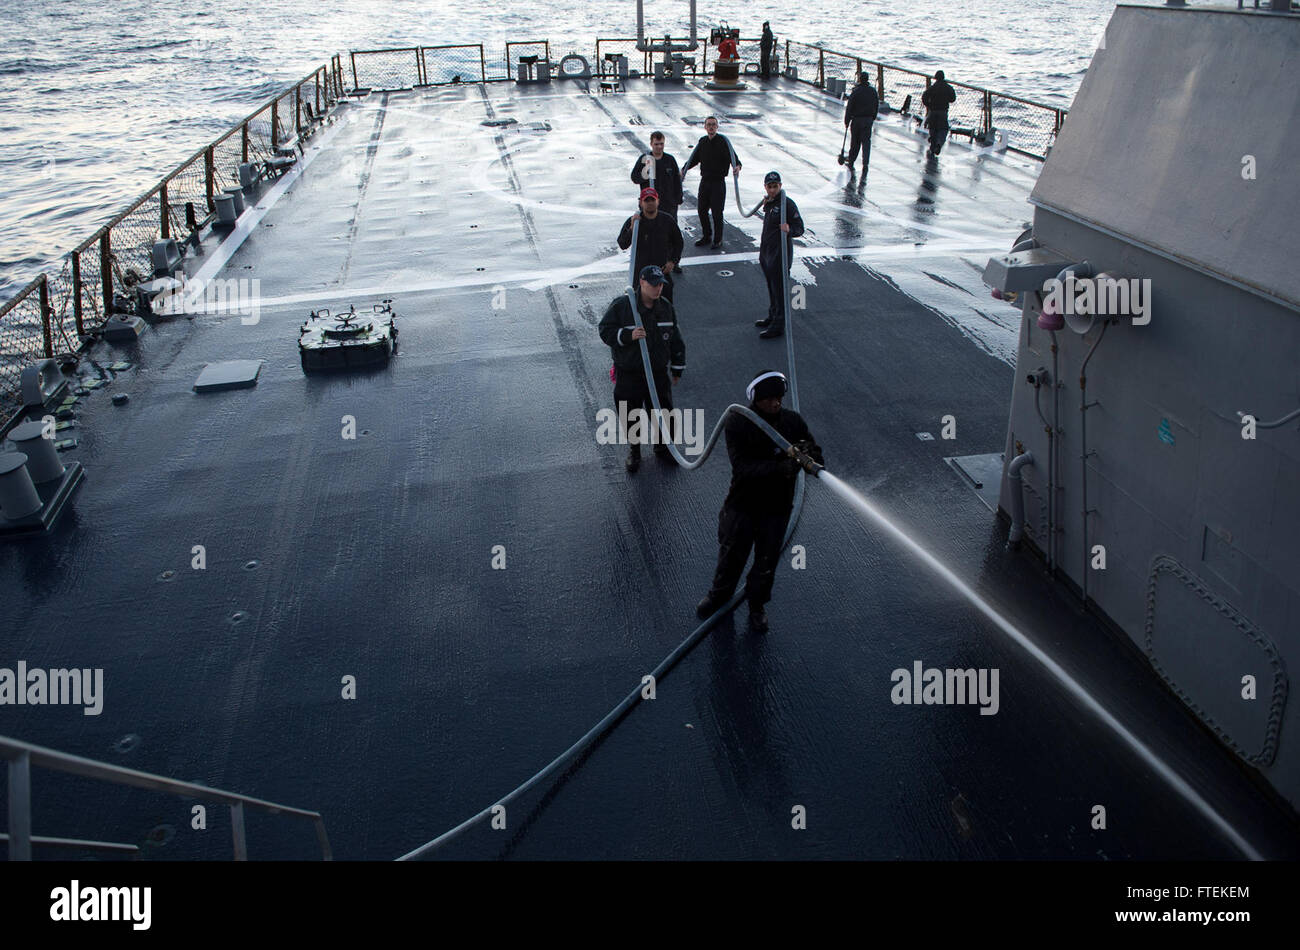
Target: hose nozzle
[{"x": 799, "y": 452}]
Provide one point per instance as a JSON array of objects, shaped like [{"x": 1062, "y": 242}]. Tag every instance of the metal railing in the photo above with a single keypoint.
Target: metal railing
[
  {"x": 54, "y": 315},
  {"x": 1031, "y": 127},
  {"x": 22, "y": 756}
]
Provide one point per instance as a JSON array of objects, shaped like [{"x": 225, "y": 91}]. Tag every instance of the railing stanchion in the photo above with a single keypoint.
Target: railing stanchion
[
  {"x": 482, "y": 62},
  {"x": 76, "y": 294},
  {"x": 43, "y": 299},
  {"x": 106, "y": 271},
  {"x": 210, "y": 177},
  {"x": 355, "y": 84},
  {"x": 275, "y": 124},
  {"x": 20, "y": 807},
  {"x": 237, "y": 830},
  {"x": 243, "y": 136},
  {"x": 164, "y": 226}
]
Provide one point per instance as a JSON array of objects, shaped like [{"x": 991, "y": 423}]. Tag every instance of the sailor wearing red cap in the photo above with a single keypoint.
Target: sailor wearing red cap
[{"x": 658, "y": 239}]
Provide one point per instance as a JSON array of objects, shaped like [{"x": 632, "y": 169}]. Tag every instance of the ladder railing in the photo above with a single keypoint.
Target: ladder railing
[{"x": 23, "y": 755}]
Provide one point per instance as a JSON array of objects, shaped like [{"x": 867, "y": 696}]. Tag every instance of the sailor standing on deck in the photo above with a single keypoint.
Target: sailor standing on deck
[
  {"x": 859, "y": 115},
  {"x": 765, "y": 44},
  {"x": 760, "y": 500},
  {"x": 714, "y": 154},
  {"x": 936, "y": 100},
  {"x": 658, "y": 170},
  {"x": 769, "y": 253},
  {"x": 667, "y": 356},
  {"x": 658, "y": 239}
]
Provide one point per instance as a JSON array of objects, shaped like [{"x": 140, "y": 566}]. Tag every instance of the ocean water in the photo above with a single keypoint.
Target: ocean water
[{"x": 99, "y": 99}]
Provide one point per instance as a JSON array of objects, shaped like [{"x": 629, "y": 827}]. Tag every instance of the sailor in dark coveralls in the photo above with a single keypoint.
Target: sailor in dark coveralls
[
  {"x": 859, "y": 114},
  {"x": 667, "y": 354},
  {"x": 761, "y": 498},
  {"x": 936, "y": 100},
  {"x": 769, "y": 254},
  {"x": 664, "y": 175},
  {"x": 713, "y": 153},
  {"x": 765, "y": 44},
  {"x": 658, "y": 239}
]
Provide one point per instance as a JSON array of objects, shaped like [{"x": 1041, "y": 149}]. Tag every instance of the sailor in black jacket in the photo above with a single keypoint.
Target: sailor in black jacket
[
  {"x": 859, "y": 114},
  {"x": 769, "y": 253},
  {"x": 714, "y": 154},
  {"x": 936, "y": 100},
  {"x": 758, "y": 505},
  {"x": 658, "y": 239},
  {"x": 658, "y": 170},
  {"x": 667, "y": 354}
]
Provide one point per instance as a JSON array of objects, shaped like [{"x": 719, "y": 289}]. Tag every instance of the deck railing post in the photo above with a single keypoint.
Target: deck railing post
[
  {"x": 297, "y": 110},
  {"x": 164, "y": 227},
  {"x": 237, "y": 830},
  {"x": 43, "y": 300},
  {"x": 275, "y": 124},
  {"x": 20, "y": 807},
  {"x": 106, "y": 271},
  {"x": 355, "y": 84},
  {"x": 482, "y": 62},
  {"x": 243, "y": 137},
  {"x": 821, "y": 69},
  {"x": 210, "y": 177},
  {"x": 76, "y": 293}
]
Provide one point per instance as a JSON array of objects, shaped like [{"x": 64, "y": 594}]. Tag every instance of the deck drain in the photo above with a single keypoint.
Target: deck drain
[
  {"x": 726, "y": 273},
  {"x": 160, "y": 836},
  {"x": 167, "y": 575},
  {"x": 238, "y": 617},
  {"x": 128, "y": 743},
  {"x": 252, "y": 565}
]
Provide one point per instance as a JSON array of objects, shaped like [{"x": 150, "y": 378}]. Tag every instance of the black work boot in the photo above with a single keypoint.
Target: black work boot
[
  {"x": 703, "y": 241},
  {"x": 708, "y": 606},
  {"x": 773, "y": 330},
  {"x": 757, "y": 618},
  {"x": 765, "y": 322}
]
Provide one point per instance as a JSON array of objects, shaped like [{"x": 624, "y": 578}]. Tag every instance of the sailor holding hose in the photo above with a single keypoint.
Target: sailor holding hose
[
  {"x": 761, "y": 498},
  {"x": 769, "y": 253},
  {"x": 667, "y": 356}
]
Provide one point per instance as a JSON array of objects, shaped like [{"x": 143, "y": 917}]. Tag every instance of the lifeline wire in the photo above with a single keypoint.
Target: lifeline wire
[{"x": 668, "y": 662}]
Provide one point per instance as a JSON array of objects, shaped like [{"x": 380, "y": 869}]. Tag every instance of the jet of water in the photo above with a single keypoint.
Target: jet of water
[{"x": 875, "y": 516}]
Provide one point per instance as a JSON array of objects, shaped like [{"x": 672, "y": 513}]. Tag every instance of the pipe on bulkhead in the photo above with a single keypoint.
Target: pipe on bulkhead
[
  {"x": 1084, "y": 406},
  {"x": 1017, "y": 497}
]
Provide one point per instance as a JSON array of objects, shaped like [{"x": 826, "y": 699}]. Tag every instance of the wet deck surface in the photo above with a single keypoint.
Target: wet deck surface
[{"x": 374, "y": 555}]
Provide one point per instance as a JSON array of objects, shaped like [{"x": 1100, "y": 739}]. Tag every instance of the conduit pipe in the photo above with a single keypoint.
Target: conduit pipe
[{"x": 1017, "y": 497}]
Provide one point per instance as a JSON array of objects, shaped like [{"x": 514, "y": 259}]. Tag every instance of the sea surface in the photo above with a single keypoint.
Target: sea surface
[{"x": 98, "y": 100}]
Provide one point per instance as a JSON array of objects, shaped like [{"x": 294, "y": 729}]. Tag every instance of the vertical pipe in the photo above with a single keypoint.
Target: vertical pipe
[
  {"x": 1083, "y": 453},
  {"x": 20, "y": 807},
  {"x": 106, "y": 271},
  {"x": 237, "y": 829},
  {"x": 164, "y": 226},
  {"x": 76, "y": 293},
  {"x": 43, "y": 301}
]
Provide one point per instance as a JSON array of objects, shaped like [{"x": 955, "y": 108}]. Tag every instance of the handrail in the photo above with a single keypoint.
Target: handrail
[
  {"x": 114, "y": 846},
  {"x": 23, "y": 755}
]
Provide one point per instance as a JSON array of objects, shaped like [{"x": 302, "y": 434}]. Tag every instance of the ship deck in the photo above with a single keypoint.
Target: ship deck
[{"x": 371, "y": 557}]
